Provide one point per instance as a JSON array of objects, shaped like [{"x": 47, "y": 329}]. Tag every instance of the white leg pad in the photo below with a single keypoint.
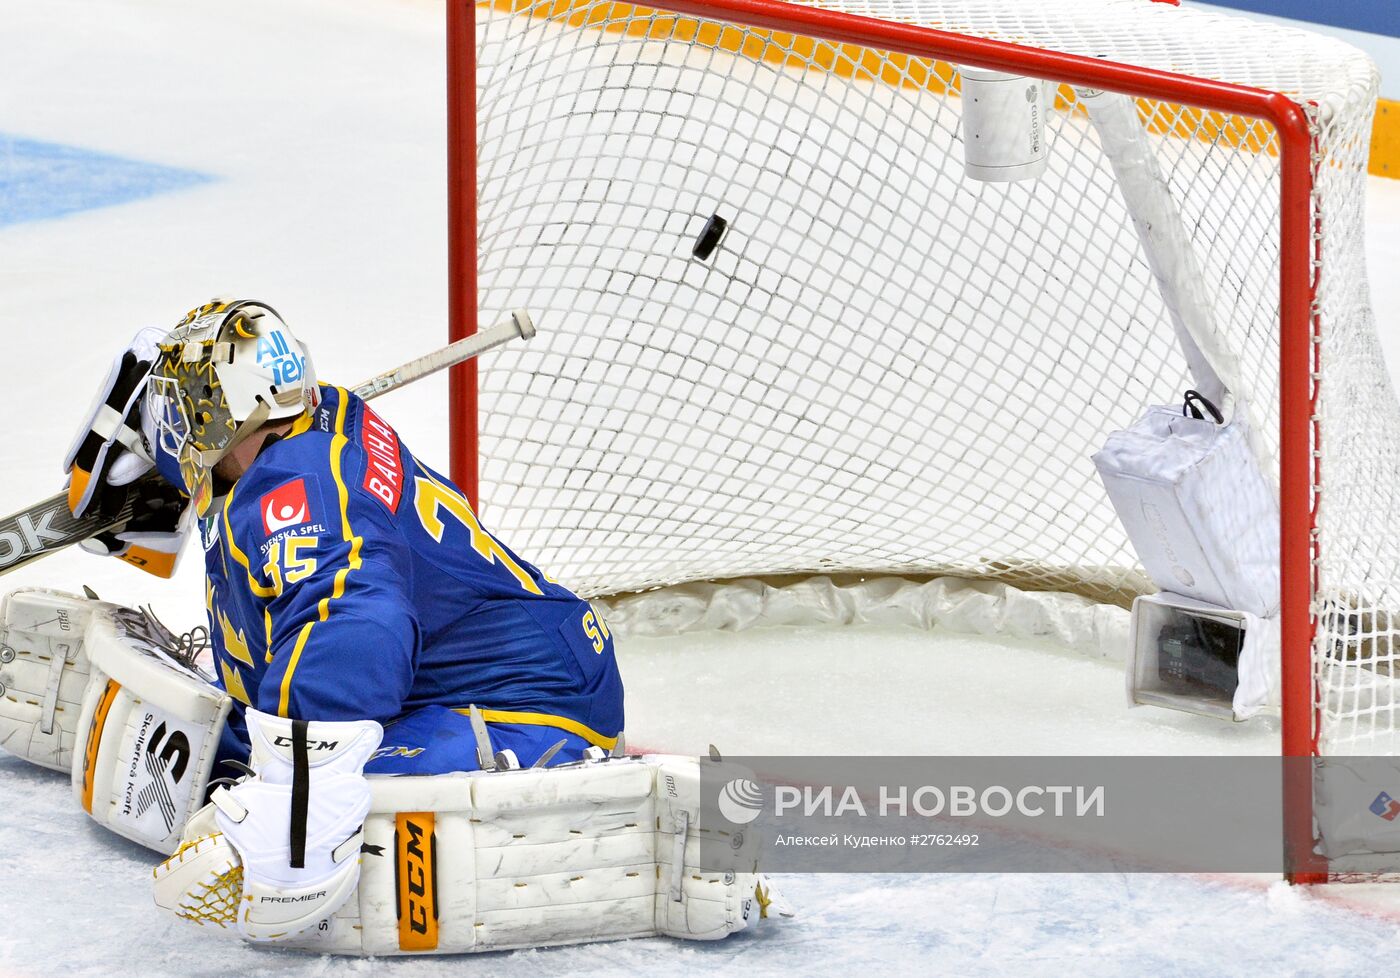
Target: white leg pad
[
  {"x": 43, "y": 673},
  {"x": 135, "y": 729},
  {"x": 148, "y": 732},
  {"x": 514, "y": 859}
]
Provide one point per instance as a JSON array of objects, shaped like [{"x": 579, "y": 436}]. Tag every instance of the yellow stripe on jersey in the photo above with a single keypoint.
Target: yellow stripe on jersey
[
  {"x": 547, "y": 720},
  {"x": 301, "y": 425},
  {"x": 258, "y": 588},
  {"x": 235, "y": 644},
  {"x": 338, "y": 443}
]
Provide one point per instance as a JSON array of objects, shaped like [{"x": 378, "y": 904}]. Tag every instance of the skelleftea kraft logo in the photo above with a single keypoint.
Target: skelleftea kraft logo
[{"x": 741, "y": 801}]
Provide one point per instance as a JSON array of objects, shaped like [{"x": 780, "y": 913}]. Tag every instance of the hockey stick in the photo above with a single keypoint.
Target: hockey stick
[
  {"x": 518, "y": 324},
  {"x": 47, "y": 527}
]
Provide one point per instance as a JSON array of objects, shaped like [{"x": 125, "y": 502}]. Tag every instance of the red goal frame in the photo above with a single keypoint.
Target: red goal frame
[{"x": 1299, "y": 328}]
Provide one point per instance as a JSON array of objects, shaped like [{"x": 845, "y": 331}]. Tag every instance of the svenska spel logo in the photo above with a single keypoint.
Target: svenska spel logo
[
  {"x": 285, "y": 506},
  {"x": 740, "y": 801},
  {"x": 1386, "y": 807}
]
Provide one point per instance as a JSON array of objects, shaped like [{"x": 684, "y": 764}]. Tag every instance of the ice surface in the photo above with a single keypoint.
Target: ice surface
[
  {"x": 863, "y": 689},
  {"x": 322, "y": 123}
]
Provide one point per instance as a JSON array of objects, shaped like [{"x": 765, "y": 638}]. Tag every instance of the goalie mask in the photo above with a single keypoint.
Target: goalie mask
[{"x": 228, "y": 368}]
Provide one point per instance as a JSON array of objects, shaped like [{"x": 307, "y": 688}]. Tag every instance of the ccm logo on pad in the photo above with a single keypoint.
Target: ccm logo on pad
[{"x": 285, "y": 506}]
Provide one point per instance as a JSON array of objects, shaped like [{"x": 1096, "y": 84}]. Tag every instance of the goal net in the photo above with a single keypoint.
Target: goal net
[{"x": 884, "y": 367}]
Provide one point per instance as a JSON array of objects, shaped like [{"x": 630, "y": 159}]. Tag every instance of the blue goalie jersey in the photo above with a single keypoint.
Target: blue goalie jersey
[{"x": 346, "y": 580}]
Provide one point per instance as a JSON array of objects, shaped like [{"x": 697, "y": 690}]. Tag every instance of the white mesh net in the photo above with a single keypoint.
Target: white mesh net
[{"x": 884, "y": 366}]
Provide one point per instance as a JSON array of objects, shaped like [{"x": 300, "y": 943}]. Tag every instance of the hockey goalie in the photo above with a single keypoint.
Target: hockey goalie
[{"x": 410, "y": 739}]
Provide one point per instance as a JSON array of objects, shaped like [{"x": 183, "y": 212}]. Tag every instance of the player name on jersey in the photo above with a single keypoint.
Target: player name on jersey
[{"x": 383, "y": 471}]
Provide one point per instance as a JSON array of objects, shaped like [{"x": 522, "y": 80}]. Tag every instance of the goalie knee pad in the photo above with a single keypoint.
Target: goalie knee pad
[{"x": 592, "y": 851}]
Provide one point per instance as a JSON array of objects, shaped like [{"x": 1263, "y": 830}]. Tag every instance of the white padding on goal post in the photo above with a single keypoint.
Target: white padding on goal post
[
  {"x": 514, "y": 859},
  {"x": 1203, "y": 518}
]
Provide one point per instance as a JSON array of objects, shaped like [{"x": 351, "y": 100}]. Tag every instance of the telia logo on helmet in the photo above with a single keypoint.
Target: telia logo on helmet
[
  {"x": 285, "y": 506},
  {"x": 287, "y": 366}
]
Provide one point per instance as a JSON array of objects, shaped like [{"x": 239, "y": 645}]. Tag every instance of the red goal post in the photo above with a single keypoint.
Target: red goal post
[{"x": 1298, "y": 328}]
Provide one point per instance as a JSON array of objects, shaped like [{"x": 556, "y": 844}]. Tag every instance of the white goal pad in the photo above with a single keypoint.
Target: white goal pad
[
  {"x": 594, "y": 851},
  {"x": 109, "y": 696}
]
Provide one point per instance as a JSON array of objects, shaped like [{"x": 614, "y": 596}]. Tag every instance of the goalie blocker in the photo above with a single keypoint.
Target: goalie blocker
[{"x": 597, "y": 850}]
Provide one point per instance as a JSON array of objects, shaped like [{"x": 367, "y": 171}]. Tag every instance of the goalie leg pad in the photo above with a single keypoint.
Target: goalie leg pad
[
  {"x": 593, "y": 851},
  {"x": 43, "y": 673},
  {"x": 148, "y": 732}
]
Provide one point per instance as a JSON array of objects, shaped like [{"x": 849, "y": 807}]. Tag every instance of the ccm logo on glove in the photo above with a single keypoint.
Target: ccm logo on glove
[{"x": 319, "y": 745}]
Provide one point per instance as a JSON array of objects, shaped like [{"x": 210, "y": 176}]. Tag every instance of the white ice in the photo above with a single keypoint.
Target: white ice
[{"x": 323, "y": 124}]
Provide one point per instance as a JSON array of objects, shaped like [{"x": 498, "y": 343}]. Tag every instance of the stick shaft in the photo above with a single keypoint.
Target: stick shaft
[{"x": 517, "y": 325}]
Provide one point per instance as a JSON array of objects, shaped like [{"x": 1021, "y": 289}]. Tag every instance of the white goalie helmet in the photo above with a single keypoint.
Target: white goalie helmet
[{"x": 230, "y": 366}]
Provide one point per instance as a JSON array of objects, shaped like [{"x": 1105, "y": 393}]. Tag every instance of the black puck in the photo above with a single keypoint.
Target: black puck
[{"x": 709, "y": 237}]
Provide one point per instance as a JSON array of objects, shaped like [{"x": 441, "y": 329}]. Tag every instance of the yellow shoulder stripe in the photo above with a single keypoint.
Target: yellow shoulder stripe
[
  {"x": 302, "y": 424},
  {"x": 323, "y": 610}
]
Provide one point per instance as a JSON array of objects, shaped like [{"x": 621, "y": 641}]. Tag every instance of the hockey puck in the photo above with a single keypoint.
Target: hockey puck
[{"x": 709, "y": 237}]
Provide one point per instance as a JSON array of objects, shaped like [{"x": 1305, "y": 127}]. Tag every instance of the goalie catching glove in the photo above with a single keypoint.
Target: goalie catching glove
[
  {"x": 154, "y": 536},
  {"x": 279, "y": 851},
  {"x": 111, "y": 452}
]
